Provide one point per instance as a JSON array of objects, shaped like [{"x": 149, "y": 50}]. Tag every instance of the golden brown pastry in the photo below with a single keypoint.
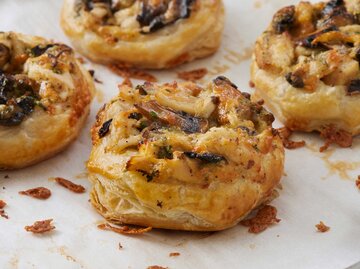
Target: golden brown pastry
[
  {"x": 180, "y": 156},
  {"x": 144, "y": 33},
  {"x": 44, "y": 98},
  {"x": 306, "y": 68}
]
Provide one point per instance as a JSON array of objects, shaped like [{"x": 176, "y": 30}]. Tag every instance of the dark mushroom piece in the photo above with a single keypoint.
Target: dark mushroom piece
[
  {"x": 105, "y": 128},
  {"x": 17, "y": 98},
  {"x": 40, "y": 50},
  {"x": 354, "y": 87},
  {"x": 206, "y": 157},
  {"x": 283, "y": 19},
  {"x": 307, "y": 42},
  {"x": 335, "y": 14},
  {"x": 89, "y": 4},
  {"x": 189, "y": 124},
  {"x": 295, "y": 80},
  {"x": 153, "y": 16}
]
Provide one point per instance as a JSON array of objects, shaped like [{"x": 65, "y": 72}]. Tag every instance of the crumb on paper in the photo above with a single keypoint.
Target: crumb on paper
[
  {"x": 193, "y": 75},
  {"x": 38, "y": 193},
  {"x": 322, "y": 228},
  {"x": 126, "y": 230},
  {"x": 120, "y": 246},
  {"x": 174, "y": 254},
  {"x": 70, "y": 185},
  {"x": 157, "y": 267},
  {"x": 130, "y": 72},
  {"x": 2, "y": 211},
  {"x": 357, "y": 182},
  {"x": 285, "y": 134},
  {"x": 265, "y": 217},
  {"x": 333, "y": 135},
  {"x": 41, "y": 226},
  {"x": 2, "y": 204}
]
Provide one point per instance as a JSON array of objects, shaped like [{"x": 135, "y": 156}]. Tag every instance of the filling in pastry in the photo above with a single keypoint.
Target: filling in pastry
[
  {"x": 20, "y": 93},
  {"x": 146, "y": 16},
  {"x": 313, "y": 43},
  {"x": 169, "y": 127}
]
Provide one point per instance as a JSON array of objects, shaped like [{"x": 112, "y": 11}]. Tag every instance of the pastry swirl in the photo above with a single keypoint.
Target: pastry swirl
[
  {"x": 306, "y": 67},
  {"x": 44, "y": 98},
  {"x": 181, "y": 156},
  {"x": 144, "y": 33}
]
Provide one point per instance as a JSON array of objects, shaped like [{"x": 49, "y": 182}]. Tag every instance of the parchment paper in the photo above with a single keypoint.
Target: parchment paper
[{"x": 316, "y": 186}]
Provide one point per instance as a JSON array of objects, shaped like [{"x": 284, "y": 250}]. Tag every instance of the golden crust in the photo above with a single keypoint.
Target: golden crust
[
  {"x": 185, "y": 40},
  {"x": 65, "y": 91},
  {"x": 306, "y": 68},
  {"x": 207, "y": 157}
]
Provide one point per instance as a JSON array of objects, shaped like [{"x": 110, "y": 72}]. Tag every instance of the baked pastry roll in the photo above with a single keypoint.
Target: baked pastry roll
[
  {"x": 44, "y": 98},
  {"x": 306, "y": 68},
  {"x": 180, "y": 156},
  {"x": 144, "y": 33}
]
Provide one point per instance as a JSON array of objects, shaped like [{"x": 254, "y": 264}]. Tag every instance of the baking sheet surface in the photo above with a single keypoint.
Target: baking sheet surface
[{"x": 316, "y": 186}]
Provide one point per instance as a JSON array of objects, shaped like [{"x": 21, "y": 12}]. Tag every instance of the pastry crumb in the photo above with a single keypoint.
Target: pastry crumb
[
  {"x": 174, "y": 254},
  {"x": 322, "y": 228},
  {"x": 70, "y": 185},
  {"x": 124, "y": 229},
  {"x": 265, "y": 217},
  {"x": 285, "y": 134},
  {"x": 251, "y": 84},
  {"x": 130, "y": 72},
  {"x": 2, "y": 211},
  {"x": 157, "y": 267},
  {"x": 38, "y": 193},
  {"x": 333, "y": 135},
  {"x": 120, "y": 246},
  {"x": 357, "y": 182},
  {"x": 40, "y": 227},
  {"x": 193, "y": 75}
]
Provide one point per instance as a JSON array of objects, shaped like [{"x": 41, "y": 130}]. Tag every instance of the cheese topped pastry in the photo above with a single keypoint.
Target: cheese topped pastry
[
  {"x": 44, "y": 98},
  {"x": 144, "y": 33},
  {"x": 181, "y": 156},
  {"x": 306, "y": 67}
]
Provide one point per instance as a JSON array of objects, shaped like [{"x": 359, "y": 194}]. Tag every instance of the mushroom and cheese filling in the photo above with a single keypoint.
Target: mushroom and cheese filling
[
  {"x": 146, "y": 16},
  {"x": 313, "y": 43}
]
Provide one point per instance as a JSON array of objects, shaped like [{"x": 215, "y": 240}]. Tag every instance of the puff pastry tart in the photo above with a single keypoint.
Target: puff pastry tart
[
  {"x": 144, "y": 33},
  {"x": 44, "y": 98},
  {"x": 306, "y": 67},
  {"x": 179, "y": 156}
]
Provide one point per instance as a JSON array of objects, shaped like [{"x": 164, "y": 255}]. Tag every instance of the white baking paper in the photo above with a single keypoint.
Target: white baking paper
[{"x": 316, "y": 186}]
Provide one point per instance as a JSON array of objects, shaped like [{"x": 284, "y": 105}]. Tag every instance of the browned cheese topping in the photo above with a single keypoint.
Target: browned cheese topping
[
  {"x": 193, "y": 75},
  {"x": 331, "y": 134},
  {"x": 38, "y": 193},
  {"x": 2, "y": 211},
  {"x": 264, "y": 218},
  {"x": 285, "y": 134},
  {"x": 40, "y": 227},
  {"x": 70, "y": 185},
  {"x": 131, "y": 72},
  {"x": 322, "y": 228}
]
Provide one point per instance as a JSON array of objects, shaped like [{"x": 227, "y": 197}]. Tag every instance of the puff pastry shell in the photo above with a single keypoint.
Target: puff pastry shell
[
  {"x": 181, "y": 156},
  {"x": 44, "y": 98},
  {"x": 111, "y": 32}
]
